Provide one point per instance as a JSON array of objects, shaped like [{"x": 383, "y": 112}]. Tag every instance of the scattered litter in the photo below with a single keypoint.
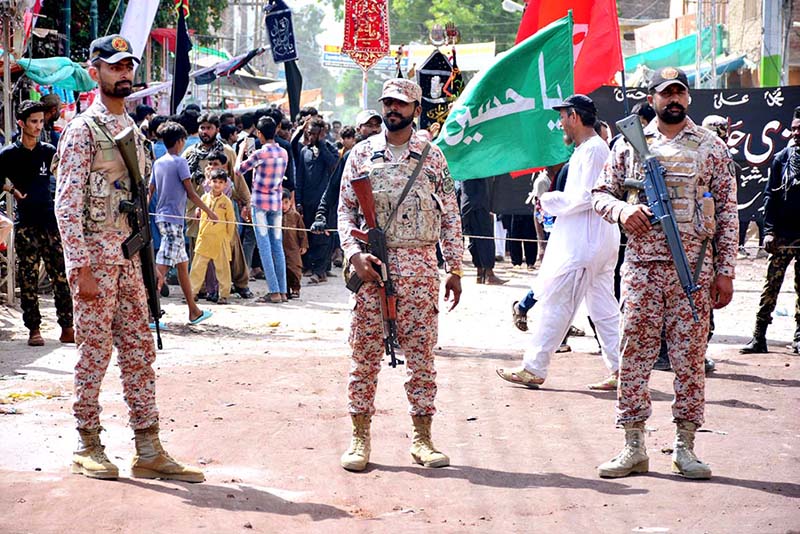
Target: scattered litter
[
  {"x": 667, "y": 450},
  {"x": 8, "y": 410},
  {"x": 272, "y": 324},
  {"x": 247, "y": 525},
  {"x": 712, "y": 431},
  {"x": 472, "y": 418}
]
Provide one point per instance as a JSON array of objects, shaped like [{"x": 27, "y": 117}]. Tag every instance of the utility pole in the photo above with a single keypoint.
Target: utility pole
[
  {"x": 66, "y": 25},
  {"x": 93, "y": 20},
  {"x": 7, "y": 14}
]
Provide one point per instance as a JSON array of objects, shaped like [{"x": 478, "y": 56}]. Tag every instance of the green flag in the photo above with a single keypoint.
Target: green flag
[{"x": 504, "y": 121}]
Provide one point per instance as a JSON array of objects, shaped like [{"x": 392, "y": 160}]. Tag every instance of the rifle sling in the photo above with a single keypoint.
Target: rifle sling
[{"x": 409, "y": 184}]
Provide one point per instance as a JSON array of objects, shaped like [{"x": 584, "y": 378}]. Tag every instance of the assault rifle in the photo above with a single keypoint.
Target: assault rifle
[
  {"x": 140, "y": 240},
  {"x": 659, "y": 203},
  {"x": 375, "y": 239}
]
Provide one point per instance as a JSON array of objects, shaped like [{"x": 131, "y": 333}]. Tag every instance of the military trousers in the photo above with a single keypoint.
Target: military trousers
[
  {"x": 32, "y": 245},
  {"x": 417, "y": 332},
  {"x": 117, "y": 318},
  {"x": 652, "y": 299},
  {"x": 776, "y": 270}
]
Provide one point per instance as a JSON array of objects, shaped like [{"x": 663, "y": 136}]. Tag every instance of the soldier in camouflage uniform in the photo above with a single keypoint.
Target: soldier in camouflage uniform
[
  {"x": 428, "y": 215},
  {"x": 700, "y": 178},
  {"x": 108, "y": 292},
  {"x": 781, "y": 239},
  {"x": 26, "y": 163}
]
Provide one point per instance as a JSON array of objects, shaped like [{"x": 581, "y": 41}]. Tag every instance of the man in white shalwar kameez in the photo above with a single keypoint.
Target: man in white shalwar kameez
[{"x": 580, "y": 259}]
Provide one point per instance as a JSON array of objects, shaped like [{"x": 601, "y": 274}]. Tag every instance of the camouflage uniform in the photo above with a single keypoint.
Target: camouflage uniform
[
  {"x": 696, "y": 161},
  {"x": 118, "y": 317},
  {"x": 416, "y": 278},
  {"x": 787, "y": 251}
]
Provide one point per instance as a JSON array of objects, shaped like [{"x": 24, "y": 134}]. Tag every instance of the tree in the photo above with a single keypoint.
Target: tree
[
  {"x": 478, "y": 20},
  {"x": 204, "y": 15}
]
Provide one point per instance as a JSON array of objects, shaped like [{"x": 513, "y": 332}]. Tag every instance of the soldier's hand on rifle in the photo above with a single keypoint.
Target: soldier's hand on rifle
[
  {"x": 363, "y": 264},
  {"x": 770, "y": 244},
  {"x": 318, "y": 226},
  {"x": 721, "y": 291},
  {"x": 452, "y": 286},
  {"x": 87, "y": 285},
  {"x": 636, "y": 219}
]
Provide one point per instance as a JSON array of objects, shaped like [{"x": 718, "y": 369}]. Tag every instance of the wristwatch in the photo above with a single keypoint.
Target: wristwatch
[{"x": 458, "y": 272}]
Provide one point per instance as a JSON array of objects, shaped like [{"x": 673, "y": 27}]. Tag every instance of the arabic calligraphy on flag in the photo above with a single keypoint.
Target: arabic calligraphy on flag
[
  {"x": 504, "y": 120},
  {"x": 366, "y": 31}
]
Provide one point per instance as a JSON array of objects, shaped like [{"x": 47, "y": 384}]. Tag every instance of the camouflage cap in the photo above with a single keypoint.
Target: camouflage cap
[
  {"x": 401, "y": 89},
  {"x": 111, "y": 49}
]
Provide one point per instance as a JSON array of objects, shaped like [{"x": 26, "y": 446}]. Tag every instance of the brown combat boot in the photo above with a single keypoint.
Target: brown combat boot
[
  {"x": 356, "y": 457},
  {"x": 684, "y": 460},
  {"x": 632, "y": 459},
  {"x": 492, "y": 280},
  {"x": 152, "y": 461},
  {"x": 90, "y": 459},
  {"x": 422, "y": 449}
]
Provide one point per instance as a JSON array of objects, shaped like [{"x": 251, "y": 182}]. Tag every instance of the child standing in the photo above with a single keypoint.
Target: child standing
[
  {"x": 214, "y": 238},
  {"x": 172, "y": 181},
  {"x": 295, "y": 244}
]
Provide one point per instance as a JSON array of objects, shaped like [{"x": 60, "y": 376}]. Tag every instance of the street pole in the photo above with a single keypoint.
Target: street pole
[
  {"x": 93, "y": 20},
  {"x": 713, "y": 19},
  {"x": 7, "y": 88},
  {"x": 698, "y": 60},
  {"x": 364, "y": 97},
  {"x": 66, "y": 24}
]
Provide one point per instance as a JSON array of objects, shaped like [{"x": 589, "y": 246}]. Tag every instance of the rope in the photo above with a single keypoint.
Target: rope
[{"x": 470, "y": 236}]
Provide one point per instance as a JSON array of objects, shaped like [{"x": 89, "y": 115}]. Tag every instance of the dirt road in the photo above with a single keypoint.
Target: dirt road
[{"x": 256, "y": 396}]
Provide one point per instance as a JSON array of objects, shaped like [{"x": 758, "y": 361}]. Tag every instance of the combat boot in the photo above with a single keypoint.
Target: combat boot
[
  {"x": 684, "y": 460},
  {"x": 90, "y": 459},
  {"x": 758, "y": 344},
  {"x": 632, "y": 459},
  {"x": 152, "y": 461},
  {"x": 357, "y": 456},
  {"x": 422, "y": 449}
]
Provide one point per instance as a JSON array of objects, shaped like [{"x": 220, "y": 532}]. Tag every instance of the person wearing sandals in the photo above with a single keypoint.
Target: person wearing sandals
[
  {"x": 404, "y": 170},
  {"x": 270, "y": 163},
  {"x": 214, "y": 238},
  {"x": 109, "y": 299},
  {"x": 26, "y": 163},
  {"x": 580, "y": 259}
]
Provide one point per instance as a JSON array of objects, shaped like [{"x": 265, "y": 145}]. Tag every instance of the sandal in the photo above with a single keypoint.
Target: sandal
[
  {"x": 520, "y": 376},
  {"x": 270, "y": 298},
  {"x": 315, "y": 279},
  {"x": 574, "y": 331},
  {"x": 519, "y": 318},
  {"x": 609, "y": 384}
]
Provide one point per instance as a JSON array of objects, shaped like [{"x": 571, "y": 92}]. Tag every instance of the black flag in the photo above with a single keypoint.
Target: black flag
[
  {"x": 180, "y": 72},
  {"x": 294, "y": 86}
]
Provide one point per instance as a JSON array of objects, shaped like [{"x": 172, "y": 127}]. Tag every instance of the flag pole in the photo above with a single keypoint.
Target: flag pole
[{"x": 625, "y": 103}]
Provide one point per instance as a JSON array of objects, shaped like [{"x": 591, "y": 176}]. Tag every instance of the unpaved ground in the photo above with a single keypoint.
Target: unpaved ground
[{"x": 262, "y": 408}]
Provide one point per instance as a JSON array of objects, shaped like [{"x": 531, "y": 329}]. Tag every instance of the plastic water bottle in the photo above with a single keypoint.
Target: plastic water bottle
[{"x": 548, "y": 222}]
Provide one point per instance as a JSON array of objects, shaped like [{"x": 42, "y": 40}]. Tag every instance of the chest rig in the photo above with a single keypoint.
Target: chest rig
[
  {"x": 413, "y": 221},
  {"x": 692, "y": 203},
  {"x": 109, "y": 184}
]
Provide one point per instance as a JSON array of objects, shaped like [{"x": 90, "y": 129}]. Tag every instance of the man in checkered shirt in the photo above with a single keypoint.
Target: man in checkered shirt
[{"x": 269, "y": 163}]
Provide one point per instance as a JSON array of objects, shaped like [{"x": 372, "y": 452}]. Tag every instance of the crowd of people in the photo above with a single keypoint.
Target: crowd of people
[{"x": 238, "y": 197}]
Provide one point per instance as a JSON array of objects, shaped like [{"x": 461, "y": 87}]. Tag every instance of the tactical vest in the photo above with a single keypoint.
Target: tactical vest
[
  {"x": 109, "y": 184},
  {"x": 692, "y": 204},
  {"x": 418, "y": 220}
]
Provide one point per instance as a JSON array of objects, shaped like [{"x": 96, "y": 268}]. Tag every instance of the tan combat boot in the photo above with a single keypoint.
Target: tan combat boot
[
  {"x": 90, "y": 459},
  {"x": 357, "y": 456},
  {"x": 632, "y": 459},
  {"x": 152, "y": 461},
  {"x": 684, "y": 461},
  {"x": 422, "y": 449}
]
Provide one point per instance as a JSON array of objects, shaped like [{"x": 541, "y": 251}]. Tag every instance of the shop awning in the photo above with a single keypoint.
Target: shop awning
[{"x": 681, "y": 52}]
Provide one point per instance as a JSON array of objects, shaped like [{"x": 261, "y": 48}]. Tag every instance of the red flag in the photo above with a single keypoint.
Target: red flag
[
  {"x": 366, "y": 31},
  {"x": 182, "y": 4},
  {"x": 595, "y": 38}
]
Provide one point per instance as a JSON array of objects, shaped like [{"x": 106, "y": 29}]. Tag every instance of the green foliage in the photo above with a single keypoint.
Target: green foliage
[
  {"x": 307, "y": 23},
  {"x": 478, "y": 20},
  {"x": 204, "y": 16}
]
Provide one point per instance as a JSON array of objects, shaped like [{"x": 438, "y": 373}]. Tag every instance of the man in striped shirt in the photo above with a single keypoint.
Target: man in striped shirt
[{"x": 269, "y": 165}]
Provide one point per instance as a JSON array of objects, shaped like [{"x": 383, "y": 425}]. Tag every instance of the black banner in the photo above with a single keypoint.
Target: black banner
[
  {"x": 432, "y": 77},
  {"x": 759, "y": 122}
]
